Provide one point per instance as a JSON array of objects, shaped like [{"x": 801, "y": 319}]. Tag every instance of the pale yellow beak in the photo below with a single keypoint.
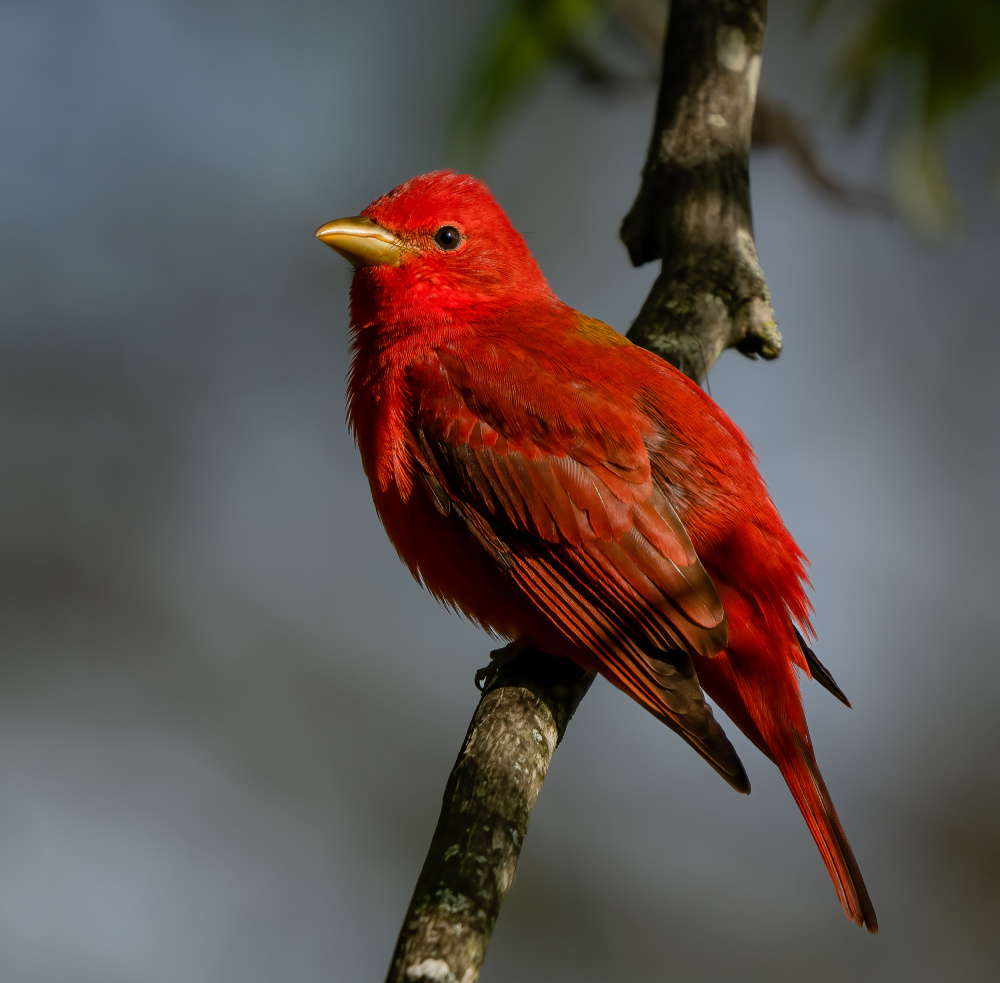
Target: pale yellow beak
[{"x": 362, "y": 242}]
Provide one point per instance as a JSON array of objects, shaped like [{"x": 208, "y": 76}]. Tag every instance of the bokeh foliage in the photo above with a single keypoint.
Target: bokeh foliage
[
  {"x": 946, "y": 54},
  {"x": 942, "y": 60},
  {"x": 526, "y": 40},
  {"x": 935, "y": 61}
]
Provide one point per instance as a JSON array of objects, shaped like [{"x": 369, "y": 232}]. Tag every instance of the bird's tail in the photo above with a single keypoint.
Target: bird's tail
[
  {"x": 799, "y": 769},
  {"x": 745, "y": 687}
]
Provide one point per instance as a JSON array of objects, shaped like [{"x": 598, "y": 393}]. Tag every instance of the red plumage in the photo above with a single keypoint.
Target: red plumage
[{"x": 571, "y": 491}]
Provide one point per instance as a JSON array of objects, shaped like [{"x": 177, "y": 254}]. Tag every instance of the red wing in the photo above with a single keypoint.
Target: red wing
[
  {"x": 626, "y": 566},
  {"x": 600, "y": 550}
]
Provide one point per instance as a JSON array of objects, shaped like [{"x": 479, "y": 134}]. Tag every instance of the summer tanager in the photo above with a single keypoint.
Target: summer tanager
[{"x": 573, "y": 492}]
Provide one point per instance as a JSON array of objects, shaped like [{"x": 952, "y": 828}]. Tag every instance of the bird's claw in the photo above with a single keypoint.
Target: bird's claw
[{"x": 486, "y": 676}]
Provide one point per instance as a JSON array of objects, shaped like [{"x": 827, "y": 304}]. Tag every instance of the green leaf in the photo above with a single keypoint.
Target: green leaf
[
  {"x": 944, "y": 57},
  {"x": 528, "y": 37},
  {"x": 946, "y": 53}
]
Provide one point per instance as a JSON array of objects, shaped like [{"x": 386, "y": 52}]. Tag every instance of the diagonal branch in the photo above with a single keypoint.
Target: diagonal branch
[
  {"x": 693, "y": 212},
  {"x": 520, "y": 720}
]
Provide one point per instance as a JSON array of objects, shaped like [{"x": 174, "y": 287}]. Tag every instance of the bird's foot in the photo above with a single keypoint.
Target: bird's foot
[{"x": 486, "y": 676}]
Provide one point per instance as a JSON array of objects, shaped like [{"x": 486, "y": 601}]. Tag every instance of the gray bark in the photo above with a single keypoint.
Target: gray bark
[
  {"x": 693, "y": 212},
  {"x": 520, "y": 719},
  {"x": 693, "y": 207}
]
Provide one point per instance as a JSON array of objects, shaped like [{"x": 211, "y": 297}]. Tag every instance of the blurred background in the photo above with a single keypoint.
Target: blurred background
[{"x": 226, "y": 712}]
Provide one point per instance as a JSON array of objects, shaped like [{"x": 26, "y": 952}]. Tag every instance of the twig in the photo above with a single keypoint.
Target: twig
[{"x": 775, "y": 127}]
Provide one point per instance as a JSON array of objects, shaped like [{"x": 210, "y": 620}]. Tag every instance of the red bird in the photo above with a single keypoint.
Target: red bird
[{"x": 571, "y": 491}]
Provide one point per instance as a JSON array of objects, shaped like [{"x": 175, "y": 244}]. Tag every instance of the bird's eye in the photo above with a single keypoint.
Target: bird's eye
[{"x": 448, "y": 237}]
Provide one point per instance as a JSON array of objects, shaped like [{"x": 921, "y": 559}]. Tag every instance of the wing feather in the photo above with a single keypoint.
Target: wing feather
[{"x": 597, "y": 546}]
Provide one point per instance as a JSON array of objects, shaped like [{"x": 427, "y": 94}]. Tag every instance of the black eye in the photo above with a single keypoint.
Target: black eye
[{"x": 448, "y": 237}]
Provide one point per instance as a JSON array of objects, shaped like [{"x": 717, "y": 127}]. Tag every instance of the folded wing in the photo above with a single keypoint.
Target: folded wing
[{"x": 597, "y": 546}]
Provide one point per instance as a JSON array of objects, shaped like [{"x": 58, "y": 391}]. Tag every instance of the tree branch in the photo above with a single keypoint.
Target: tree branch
[
  {"x": 693, "y": 211},
  {"x": 693, "y": 207},
  {"x": 520, "y": 720}
]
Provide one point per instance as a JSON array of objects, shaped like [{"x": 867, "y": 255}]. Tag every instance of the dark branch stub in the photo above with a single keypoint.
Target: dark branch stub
[
  {"x": 693, "y": 212},
  {"x": 693, "y": 207}
]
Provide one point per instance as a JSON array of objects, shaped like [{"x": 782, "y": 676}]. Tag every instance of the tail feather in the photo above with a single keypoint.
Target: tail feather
[
  {"x": 810, "y": 793},
  {"x": 820, "y": 673},
  {"x": 666, "y": 684},
  {"x": 747, "y": 687}
]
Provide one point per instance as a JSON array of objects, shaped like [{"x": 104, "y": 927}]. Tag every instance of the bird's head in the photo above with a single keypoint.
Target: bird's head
[{"x": 439, "y": 240}]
